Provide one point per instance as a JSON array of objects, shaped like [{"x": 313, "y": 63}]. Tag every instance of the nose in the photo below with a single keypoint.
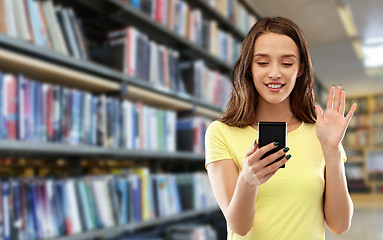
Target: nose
[
  {"x": 274, "y": 73},
  {"x": 275, "y": 77}
]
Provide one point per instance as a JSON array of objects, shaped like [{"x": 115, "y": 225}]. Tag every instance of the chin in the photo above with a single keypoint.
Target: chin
[{"x": 275, "y": 100}]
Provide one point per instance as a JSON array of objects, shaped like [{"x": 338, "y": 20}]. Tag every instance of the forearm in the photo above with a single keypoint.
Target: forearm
[
  {"x": 338, "y": 206},
  {"x": 240, "y": 212}
]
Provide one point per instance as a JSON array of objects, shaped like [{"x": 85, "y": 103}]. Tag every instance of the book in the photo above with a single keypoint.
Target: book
[
  {"x": 10, "y": 106},
  {"x": 6, "y": 195},
  {"x": 3, "y": 17},
  {"x": 10, "y": 18},
  {"x": 22, "y": 27},
  {"x": 43, "y": 26}
]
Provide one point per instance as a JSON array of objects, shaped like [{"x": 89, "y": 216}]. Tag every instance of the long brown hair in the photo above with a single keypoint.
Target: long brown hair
[{"x": 240, "y": 110}]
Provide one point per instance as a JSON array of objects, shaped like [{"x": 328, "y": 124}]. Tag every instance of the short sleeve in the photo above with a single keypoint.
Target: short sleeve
[
  {"x": 215, "y": 145},
  {"x": 343, "y": 155}
]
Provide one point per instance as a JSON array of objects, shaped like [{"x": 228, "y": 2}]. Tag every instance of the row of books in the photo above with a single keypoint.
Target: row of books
[
  {"x": 377, "y": 103},
  {"x": 362, "y": 104},
  {"x": 378, "y": 135},
  {"x": 188, "y": 231},
  {"x": 235, "y": 12},
  {"x": 372, "y": 104},
  {"x": 377, "y": 119},
  {"x": 367, "y": 120},
  {"x": 354, "y": 171},
  {"x": 163, "y": 11},
  {"x": 179, "y": 17},
  {"x": 44, "y": 24},
  {"x": 130, "y": 51},
  {"x": 358, "y": 138},
  {"x": 205, "y": 84},
  {"x": 360, "y": 121},
  {"x": 375, "y": 163},
  {"x": 35, "y": 111},
  {"x": 191, "y": 134},
  {"x": 36, "y": 208},
  {"x": 358, "y": 186}
]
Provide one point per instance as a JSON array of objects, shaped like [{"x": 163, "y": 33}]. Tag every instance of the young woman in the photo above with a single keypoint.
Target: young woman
[{"x": 273, "y": 81}]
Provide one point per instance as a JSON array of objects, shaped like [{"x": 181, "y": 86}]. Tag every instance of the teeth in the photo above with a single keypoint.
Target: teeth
[{"x": 274, "y": 85}]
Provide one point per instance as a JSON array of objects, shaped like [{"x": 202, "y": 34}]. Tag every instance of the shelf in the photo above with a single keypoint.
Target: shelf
[
  {"x": 355, "y": 148},
  {"x": 223, "y": 22},
  {"x": 116, "y": 231},
  {"x": 367, "y": 200},
  {"x": 23, "y": 48},
  {"x": 25, "y": 148},
  {"x": 125, "y": 14},
  {"x": 56, "y": 74},
  {"x": 48, "y": 66}
]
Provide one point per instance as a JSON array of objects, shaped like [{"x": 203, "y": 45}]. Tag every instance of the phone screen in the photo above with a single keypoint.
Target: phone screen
[{"x": 269, "y": 132}]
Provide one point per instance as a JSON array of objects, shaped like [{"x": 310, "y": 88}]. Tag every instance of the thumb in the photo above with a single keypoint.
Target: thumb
[
  {"x": 252, "y": 149},
  {"x": 319, "y": 113}
]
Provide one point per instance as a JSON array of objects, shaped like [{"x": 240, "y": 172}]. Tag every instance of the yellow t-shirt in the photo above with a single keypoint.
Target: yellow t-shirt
[{"x": 290, "y": 204}]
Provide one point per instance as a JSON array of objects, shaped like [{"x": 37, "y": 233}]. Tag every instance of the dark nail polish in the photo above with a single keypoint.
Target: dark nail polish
[
  {"x": 286, "y": 149},
  {"x": 255, "y": 141},
  {"x": 276, "y": 143},
  {"x": 288, "y": 156}
]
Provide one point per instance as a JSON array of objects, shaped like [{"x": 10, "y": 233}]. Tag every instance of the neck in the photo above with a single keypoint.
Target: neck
[{"x": 280, "y": 112}]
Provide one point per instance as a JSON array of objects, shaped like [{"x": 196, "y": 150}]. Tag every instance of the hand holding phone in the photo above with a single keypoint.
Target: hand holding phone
[{"x": 269, "y": 132}]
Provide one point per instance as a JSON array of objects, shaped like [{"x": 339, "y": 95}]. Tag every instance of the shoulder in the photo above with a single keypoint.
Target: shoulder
[{"x": 217, "y": 127}]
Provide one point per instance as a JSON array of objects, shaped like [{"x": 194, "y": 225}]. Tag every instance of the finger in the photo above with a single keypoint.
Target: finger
[
  {"x": 271, "y": 158},
  {"x": 351, "y": 113},
  {"x": 274, "y": 166},
  {"x": 319, "y": 112},
  {"x": 337, "y": 98},
  {"x": 342, "y": 103},
  {"x": 265, "y": 149},
  {"x": 252, "y": 149},
  {"x": 330, "y": 98}
]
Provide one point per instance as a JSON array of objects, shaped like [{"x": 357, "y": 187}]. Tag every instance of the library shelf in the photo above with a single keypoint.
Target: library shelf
[
  {"x": 129, "y": 228},
  {"x": 48, "y": 149},
  {"x": 124, "y": 14},
  {"x": 49, "y": 66},
  {"x": 40, "y": 64},
  {"x": 223, "y": 22},
  {"x": 364, "y": 141}
]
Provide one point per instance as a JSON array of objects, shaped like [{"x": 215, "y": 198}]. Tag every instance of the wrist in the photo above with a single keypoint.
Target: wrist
[
  {"x": 248, "y": 178},
  {"x": 329, "y": 150},
  {"x": 332, "y": 155}
]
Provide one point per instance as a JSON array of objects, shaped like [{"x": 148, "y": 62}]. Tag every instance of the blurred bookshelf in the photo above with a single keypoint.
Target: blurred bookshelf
[
  {"x": 108, "y": 98},
  {"x": 363, "y": 143}
]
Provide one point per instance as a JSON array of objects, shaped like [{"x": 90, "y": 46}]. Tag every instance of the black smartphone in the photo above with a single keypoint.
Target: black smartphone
[{"x": 269, "y": 132}]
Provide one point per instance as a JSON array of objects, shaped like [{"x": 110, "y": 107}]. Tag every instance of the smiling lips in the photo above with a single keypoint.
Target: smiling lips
[{"x": 275, "y": 86}]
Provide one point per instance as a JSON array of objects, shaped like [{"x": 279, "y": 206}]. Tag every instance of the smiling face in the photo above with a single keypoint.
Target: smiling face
[{"x": 275, "y": 67}]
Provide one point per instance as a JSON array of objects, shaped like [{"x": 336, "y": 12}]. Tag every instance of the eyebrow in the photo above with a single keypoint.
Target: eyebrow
[{"x": 266, "y": 55}]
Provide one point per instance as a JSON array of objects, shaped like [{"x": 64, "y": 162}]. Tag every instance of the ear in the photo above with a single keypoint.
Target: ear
[{"x": 300, "y": 71}]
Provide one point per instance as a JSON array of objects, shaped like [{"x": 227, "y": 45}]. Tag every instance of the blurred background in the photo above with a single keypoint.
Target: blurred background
[
  {"x": 104, "y": 105},
  {"x": 345, "y": 39}
]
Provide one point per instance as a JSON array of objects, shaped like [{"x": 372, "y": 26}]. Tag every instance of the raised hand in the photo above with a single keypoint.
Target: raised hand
[{"x": 332, "y": 126}]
